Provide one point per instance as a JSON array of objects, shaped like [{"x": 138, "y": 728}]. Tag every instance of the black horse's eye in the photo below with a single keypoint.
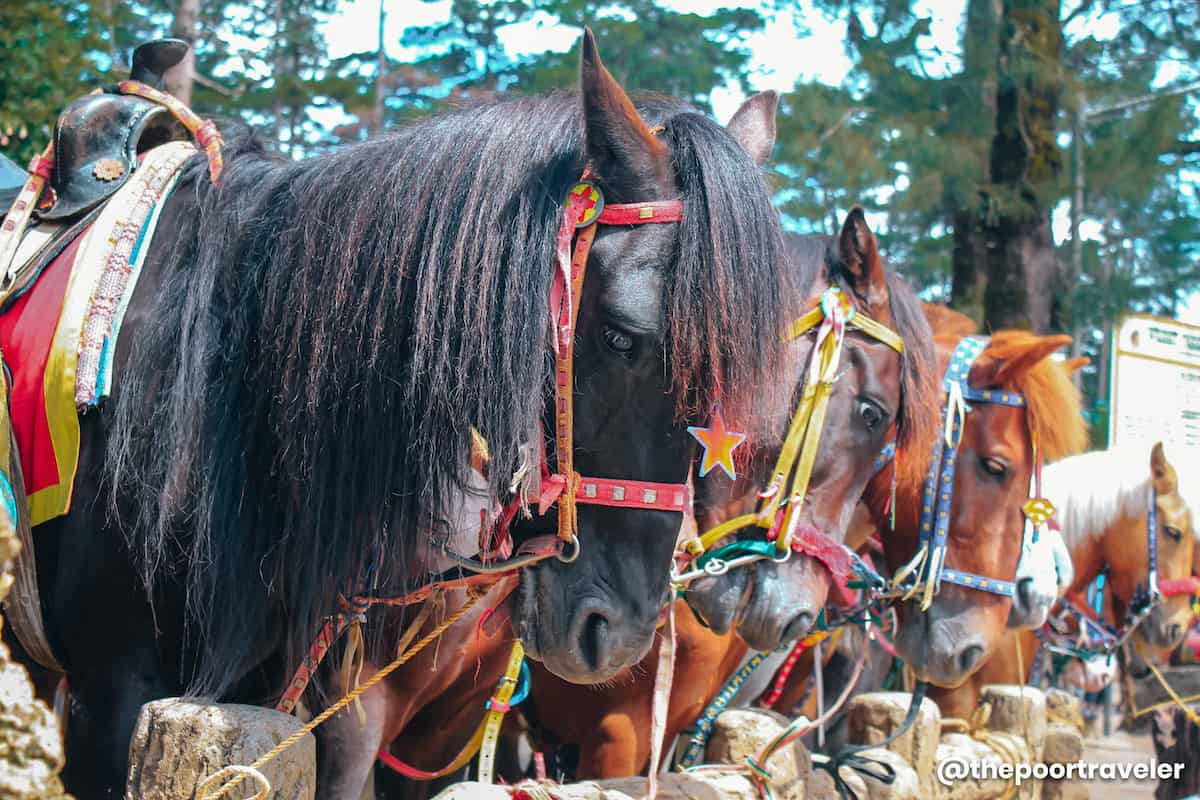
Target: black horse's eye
[
  {"x": 870, "y": 414},
  {"x": 1175, "y": 534},
  {"x": 618, "y": 341},
  {"x": 994, "y": 467}
]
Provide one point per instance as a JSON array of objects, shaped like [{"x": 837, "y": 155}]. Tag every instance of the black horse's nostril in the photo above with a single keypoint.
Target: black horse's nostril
[
  {"x": 593, "y": 639},
  {"x": 797, "y": 627},
  {"x": 969, "y": 657},
  {"x": 1175, "y": 632}
]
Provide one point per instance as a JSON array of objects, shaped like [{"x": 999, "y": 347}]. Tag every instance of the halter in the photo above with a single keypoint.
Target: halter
[
  {"x": 583, "y": 211},
  {"x": 830, "y": 320},
  {"x": 926, "y": 571},
  {"x": 1100, "y": 639}
]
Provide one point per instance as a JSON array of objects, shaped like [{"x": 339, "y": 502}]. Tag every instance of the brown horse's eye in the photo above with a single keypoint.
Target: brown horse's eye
[
  {"x": 870, "y": 414},
  {"x": 618, "y": 341},
  {"x": 994, "y": 467},
  {"x": 1175, "y": 534}
]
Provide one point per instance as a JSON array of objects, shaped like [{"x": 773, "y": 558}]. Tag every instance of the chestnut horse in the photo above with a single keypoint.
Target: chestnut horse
[
  {"x": 1103, "y": 500},
  {"x": 962, "y": 625},
  {"x": 878, "y": 396}
]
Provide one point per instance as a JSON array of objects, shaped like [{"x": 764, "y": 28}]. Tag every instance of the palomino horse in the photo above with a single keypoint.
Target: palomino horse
[
  {"x": 1104, "y": 500},
  {"x": 612, "y": 723},
  {"x": 310, "y": 345}
]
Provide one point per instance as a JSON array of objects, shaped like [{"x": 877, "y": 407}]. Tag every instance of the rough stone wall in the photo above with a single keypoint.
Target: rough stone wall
[{"x": 31, "y": 752}]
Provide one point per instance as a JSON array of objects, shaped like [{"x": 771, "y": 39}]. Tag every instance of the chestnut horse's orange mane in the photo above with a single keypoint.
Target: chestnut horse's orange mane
[{"x": 1053, "y": 401}]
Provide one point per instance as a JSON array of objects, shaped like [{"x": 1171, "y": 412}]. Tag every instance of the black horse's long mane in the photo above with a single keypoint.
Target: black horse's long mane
[
  {"x": 919, "y": 407},
  {"x": 297, "y": 410}
]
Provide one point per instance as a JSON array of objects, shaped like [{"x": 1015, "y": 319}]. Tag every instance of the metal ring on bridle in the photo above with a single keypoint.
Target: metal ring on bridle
[{"x": 575, "y": 548}]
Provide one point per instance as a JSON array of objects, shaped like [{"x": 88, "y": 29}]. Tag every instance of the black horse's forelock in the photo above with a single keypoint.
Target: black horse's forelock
[{"x": 298, "y": 407}]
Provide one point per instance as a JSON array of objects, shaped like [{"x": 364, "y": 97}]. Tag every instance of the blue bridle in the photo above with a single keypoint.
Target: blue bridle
[{"x": 927, "y": 570}]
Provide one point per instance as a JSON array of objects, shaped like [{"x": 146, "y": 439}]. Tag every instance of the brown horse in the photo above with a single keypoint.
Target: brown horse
[
  {"x": 1103, "y": 500},
  {"x": 876, "y": 398}
]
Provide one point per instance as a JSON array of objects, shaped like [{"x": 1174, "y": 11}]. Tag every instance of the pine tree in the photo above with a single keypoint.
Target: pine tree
[{"x": 43, "y": 66}]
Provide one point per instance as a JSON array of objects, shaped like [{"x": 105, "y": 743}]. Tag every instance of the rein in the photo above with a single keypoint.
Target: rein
[
  {"x": 830, "y": 320},
  {"x": 924, "y": 574}
]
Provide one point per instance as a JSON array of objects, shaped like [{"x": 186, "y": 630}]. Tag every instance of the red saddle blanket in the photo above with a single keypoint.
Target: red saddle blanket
[
  {"x": 58, "y": 338},
  {"x": 46, "y": 431}
]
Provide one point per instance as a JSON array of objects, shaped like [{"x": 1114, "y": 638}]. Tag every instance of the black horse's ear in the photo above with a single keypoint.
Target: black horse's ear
[
  {"x": 753, "y": 125},
  {"x": 620, "y": 149},
  {"x": 860, "y": 265}
]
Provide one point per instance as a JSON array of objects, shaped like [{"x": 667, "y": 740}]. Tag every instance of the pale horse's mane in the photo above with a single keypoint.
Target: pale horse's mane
[{"x": 1094, "y": 489}]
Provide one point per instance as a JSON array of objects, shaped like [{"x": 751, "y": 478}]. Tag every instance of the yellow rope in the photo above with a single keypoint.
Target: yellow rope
[
  {"x": 1074, "y": 723},
  {"x": 254, "y": 770},
  {"x": 1002, "y": 744},
  {"x": 1175, "y": 698}
]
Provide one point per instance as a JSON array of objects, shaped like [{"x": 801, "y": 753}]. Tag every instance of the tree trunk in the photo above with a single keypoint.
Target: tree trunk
[
  {"x": 968, "y": 258},
  {"x": 277, "y": 68},
  {"x": 974, "y": 111},
  {"x": 376, "y": 123},
  {"x": 1022, "y": 265},
  {"x": 180, "y": 77}
]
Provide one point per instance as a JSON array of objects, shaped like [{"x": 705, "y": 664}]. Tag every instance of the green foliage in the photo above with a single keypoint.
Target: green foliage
[
  {"x": 648, "y": 47},
  {"x": 43, "y": 66}
]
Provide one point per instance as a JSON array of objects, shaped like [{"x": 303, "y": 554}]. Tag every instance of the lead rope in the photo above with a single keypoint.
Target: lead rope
[
  {"x": 212, "y": 787},
  {"x": 756, "y": 767},
  {"x": 850, "y": 756},
  {"x": 664, "y": 676}
]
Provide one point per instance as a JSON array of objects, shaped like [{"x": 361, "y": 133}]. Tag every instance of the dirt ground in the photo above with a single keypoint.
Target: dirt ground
[{"x": 1118, "y": 748}]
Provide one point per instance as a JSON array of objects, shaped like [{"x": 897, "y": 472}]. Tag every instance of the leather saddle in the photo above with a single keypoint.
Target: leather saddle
[{"x": 98, "y": 137}]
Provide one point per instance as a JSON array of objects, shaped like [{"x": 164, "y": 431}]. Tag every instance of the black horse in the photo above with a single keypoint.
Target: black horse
[{"x": 305, "y": 354}]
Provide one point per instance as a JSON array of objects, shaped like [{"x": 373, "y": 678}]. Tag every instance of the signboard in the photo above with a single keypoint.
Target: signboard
[{"x": 1155, "y": 383}]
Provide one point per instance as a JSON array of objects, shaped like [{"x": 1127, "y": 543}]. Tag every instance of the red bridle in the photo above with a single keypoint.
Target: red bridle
[{"x": 583, "y": 212}]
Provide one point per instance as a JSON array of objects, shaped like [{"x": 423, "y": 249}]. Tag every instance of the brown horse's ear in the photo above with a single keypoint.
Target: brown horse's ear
[
  {"x": 1161, "y": 471},
  {"x": 991, "y": 370},
  {"x": 753, "y": 125},
  {"x": 625, "y": 157},
  {"x": 1073, "y": 365},
  {"x": 860, "y": 266}
]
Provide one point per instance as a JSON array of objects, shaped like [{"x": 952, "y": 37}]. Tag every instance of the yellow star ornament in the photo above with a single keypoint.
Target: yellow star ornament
[{"x": 718, "y": 445}]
